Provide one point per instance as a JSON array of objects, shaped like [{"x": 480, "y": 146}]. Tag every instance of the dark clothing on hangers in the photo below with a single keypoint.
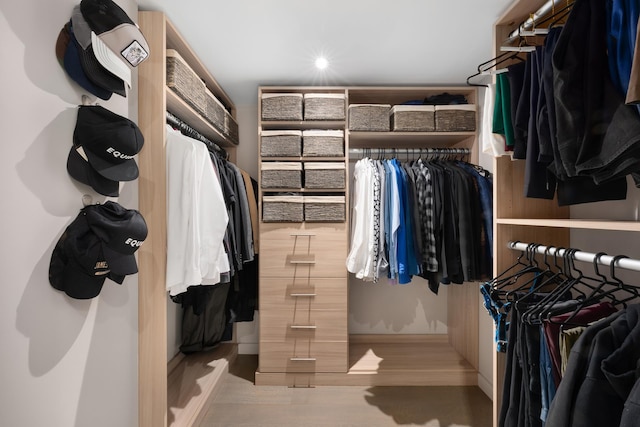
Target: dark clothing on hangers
[
  {"x": 563, "y": 407},
  {"x": 523, "y": 110},
  {"x": 502, "y": 122},
  {"x": 516, "y": 76},
  {"x": 552, "y": 330},
  {"x": 538, "y": 181}
]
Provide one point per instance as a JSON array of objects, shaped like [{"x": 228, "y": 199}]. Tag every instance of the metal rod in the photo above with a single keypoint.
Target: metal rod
[
  {"x": 530, "y": 22},
  {"x": 365, "y": 152},
  {"x": 626, "y": 263},
  {"x": 185, "y": 129}
]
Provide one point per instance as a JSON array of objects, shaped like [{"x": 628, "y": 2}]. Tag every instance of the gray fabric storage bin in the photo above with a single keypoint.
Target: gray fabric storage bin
[
  {"x": 282, "y": 208},
  {"x": 369, "y": 117},
  {"x": 185, "y": 82},
  {"x": 324, "y": 208},
  {"x": 214, "y": 110},
  {"x": 328, "y": 175},
  {"x": 281, "y": 175},
  {"x": 324, "y": 106},
  {"x": 456, "y": 118},
  {"x": 231, "y": 128},
  {"x": 281, "y": 143},
  {"x": 413, "y": 118},
  {"x": 323, "y": 143},
  {"x": 282, "y": 106}
]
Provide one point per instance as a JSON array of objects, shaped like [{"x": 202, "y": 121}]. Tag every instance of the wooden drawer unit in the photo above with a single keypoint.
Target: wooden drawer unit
[
  {"x": 309, "y": 293},
  {"x": 303, "y": 356},
  {"x": 286, "y": 322},
  {"x": 303, "y": 250}
]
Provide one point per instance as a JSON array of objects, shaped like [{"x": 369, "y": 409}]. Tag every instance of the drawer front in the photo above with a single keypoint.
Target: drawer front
[
  {"x": 310, "y": 293},
  {"x": 304, "y": 250},
  {"x": 303, "y": 356},
  {"x": 284, "y": 322}
]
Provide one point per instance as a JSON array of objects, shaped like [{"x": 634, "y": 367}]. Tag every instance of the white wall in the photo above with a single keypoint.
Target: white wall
[{"x": 65, "y": 362}]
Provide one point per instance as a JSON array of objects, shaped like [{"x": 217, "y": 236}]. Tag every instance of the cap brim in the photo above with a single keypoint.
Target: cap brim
[
  {"x": 81, "y": 170},
  {"x": 126, "y": 170},
  {"x": 75, "y": 70},
  {"x": 78, "y": 284},
  {"x": 119, "y": 263},
  {"x": 110, "y": 60},
  {"x": 99, "y": 75},
  {"x": 61, "y": 43}
]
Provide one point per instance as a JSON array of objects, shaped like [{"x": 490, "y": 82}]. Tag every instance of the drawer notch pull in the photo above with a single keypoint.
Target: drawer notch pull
[
  {"x": 303, "y": 326},
  {"x": 301, "y": 295},
  {"x": 303, "y": 359}
]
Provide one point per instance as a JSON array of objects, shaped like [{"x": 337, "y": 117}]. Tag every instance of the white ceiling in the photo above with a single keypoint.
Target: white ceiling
[{"x": 247, "y": 43}]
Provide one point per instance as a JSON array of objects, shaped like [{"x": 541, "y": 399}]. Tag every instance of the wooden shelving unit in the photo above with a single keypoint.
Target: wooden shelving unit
[
  {"x": 375, "y": 360},
  {"x": 167, "y": 395}
]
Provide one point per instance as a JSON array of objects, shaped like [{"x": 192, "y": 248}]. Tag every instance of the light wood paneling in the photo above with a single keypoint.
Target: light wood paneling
[
  {"x": 462, "y": 320},
  {"x": 303, "y": 356},
  {"x": 152, "y": 297}
]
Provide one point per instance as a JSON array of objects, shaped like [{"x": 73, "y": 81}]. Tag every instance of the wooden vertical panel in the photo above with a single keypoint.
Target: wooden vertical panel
[
  {"x": 462, "y": 320},
  {"x": 152, "y": 296}
]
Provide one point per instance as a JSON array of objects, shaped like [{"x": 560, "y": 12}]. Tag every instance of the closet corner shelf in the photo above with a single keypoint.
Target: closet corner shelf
[
  {"x": 592, "y": 224},
  {"x": 360, "y": 138},
  {"x": 302, "y": 125},
  {"x": 180, "y": 108}
]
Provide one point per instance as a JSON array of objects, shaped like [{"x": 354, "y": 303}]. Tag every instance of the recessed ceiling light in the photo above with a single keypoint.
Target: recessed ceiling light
[{"x": 322, "y": 63}]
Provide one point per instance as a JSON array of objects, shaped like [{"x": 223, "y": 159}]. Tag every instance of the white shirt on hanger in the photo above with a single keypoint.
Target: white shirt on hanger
[{"x": 196, "y": 216}]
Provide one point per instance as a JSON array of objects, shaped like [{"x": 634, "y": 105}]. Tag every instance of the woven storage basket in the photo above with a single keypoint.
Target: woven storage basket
[
  {"x": 324, "y": 175},
  {"x": 323, "y": 143},
  {"x": 413, "y": 118},
  {"x": 214, "y": 110},
  {"x": 281, "y": 106},
  {"x": 281, "y": 143},
  {"x": 281, "y": 175},
  {"x": 231, "y": 127},
  {"x": 185, "y": 82},
  {"x": 455, "y": 118},
  {"x": 282, "y": 208},
  {"x": 369, "y": 117},
  {"x": 324, "y": 106},
  {"x": 324, "y": 208}
]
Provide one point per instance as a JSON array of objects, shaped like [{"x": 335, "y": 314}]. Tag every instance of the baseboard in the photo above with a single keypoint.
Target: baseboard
[
  {"x": 485, "y": 385},
  {"x": 248, "y": 348}
]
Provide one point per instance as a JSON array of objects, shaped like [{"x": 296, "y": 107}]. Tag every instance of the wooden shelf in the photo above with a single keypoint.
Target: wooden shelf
[
  {"x": 303, "y": 159},
  {"x": 303, "y": 125},
  {"x": 359, "y": 139},
  {"x": 591, "y": 224},
  {"x": 303, "y": 190},
  {"x": 184, "y": 111}
]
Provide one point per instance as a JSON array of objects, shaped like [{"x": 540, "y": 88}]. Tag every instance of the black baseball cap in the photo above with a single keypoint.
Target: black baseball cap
[
  {"x": 119, "y": 45},
  {"x": 109, "y": 141},
  {"x": 77, "y": 266},
  {"x": 96, "y": 72},
  {"x": 121, "y": 232},
  {"x": 79, "y": 169},
  {"x": 72, "y": 63}
]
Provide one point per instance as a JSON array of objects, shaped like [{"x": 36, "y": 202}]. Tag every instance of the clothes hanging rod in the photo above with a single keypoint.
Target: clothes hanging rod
[
  {"x": 535, "y": 17},
  {"x": 185, "y": 128},
  {"x": 407, "y": 151},
  {"x": 626, "y": 263}
]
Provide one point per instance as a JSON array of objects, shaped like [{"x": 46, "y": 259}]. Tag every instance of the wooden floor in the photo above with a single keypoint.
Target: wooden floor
[{"x": 237, "y": 402}]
